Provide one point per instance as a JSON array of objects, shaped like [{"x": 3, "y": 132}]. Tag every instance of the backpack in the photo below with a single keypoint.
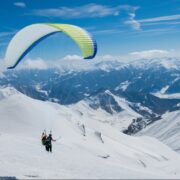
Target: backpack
[{"x": 43, "y": 140}]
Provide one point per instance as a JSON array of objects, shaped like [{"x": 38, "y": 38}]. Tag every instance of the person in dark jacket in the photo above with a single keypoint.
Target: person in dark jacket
[{"x": 48, "y": 143}]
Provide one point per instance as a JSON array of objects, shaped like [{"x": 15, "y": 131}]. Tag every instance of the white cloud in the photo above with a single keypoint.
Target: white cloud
[
  {"x": 133, "y": 22},
  {"x": 107, "y": 31},
  {"x": 72, "y": 57},
  {"x": 76, "y": 62},
  {"x": 146, "y": 54},
  {"x": 85, "y": 11},
  {"x": 162, "y": 23},
  {"x": 2, "y": 68},
  {"x": 4, "y": 34},
  {"x": 108, "y": 57},
  {"x": 20, "y": 4},
  {"x": 149, "y": 53},
  {"x": 33, "y": 64},
  {"x": 89, "y": 10},
  {"x": 161, "y": 18}
]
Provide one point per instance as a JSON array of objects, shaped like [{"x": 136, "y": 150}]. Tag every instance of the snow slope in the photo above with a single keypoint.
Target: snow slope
[
  {"x": 119, "y": 120},
  {"x": 167, "y": 130},
  {"x": 86, "y": 147}
]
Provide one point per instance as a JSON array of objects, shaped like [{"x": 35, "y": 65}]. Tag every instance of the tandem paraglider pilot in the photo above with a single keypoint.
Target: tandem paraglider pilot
[{"x": 47, "y": 141}]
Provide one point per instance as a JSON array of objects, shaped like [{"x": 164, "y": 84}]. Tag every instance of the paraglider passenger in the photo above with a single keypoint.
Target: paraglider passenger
[
  {"x": 48, "y": 143},
  {"x": 43, "y": 138}
]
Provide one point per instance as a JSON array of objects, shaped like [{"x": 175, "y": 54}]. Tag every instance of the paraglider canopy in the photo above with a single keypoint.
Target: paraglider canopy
[{"x": 31, "y": 35}]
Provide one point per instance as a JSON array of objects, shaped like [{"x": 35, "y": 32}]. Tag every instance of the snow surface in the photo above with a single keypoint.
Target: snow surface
[
  {"x": 123, "y": 86},
  {"x": 39, "y": 89},
  {"x": 164, "y": 89},
  {"x": 167, "y": 130},
  {"x": 143, "y": 108},
  {"x": 86, "y": 147},
  {"x": 162, "y": 93},
  {"x": 125, "y": 105},
  {"x": 120, "y": 120},
  {"x": 167, "y": 96}
]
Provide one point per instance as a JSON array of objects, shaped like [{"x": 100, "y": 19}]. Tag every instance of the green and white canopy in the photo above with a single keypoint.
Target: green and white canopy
[{"x": 31, "y": 35}]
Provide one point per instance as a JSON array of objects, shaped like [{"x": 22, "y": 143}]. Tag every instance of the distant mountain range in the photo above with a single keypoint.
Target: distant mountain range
[{"x": 149, "y": 87}]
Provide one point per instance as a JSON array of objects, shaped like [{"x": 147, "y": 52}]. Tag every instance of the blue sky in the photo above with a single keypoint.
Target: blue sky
[{"x": 119, "y": 26}]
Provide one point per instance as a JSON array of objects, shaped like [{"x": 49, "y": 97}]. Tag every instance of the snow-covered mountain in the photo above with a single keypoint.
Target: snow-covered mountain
[
  {"x": 149, "y": 87},
  {"x": 167, "y": 130},
  {"x": 87, "y": 147}
]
